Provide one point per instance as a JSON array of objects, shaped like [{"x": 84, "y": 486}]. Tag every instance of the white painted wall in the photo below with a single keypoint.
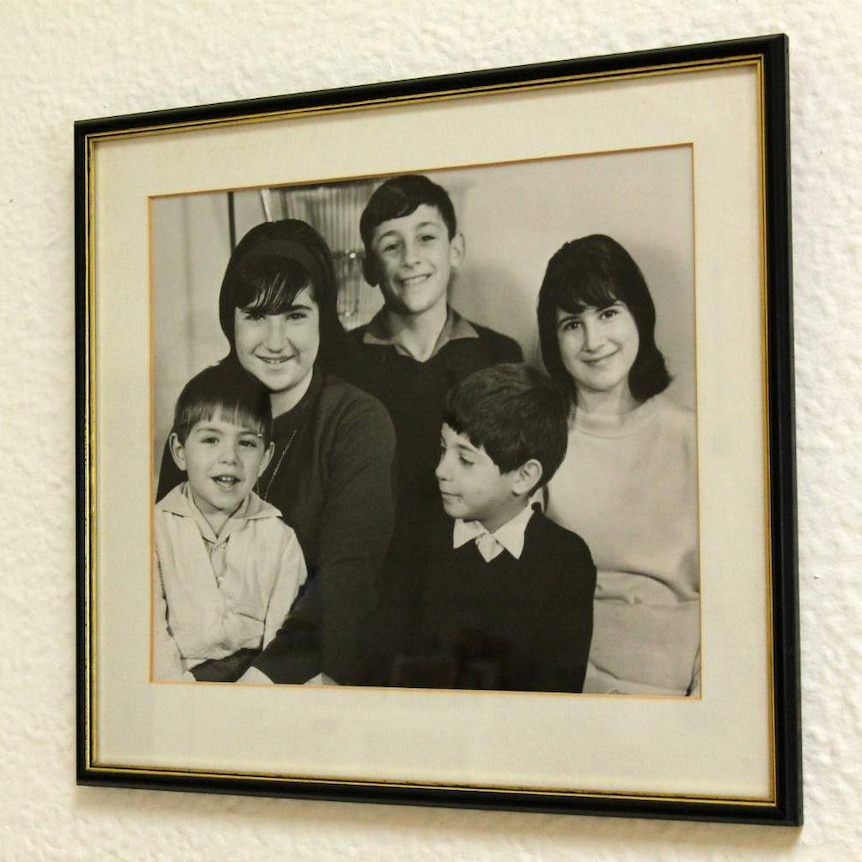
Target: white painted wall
[{"x": 63, "y": 60}]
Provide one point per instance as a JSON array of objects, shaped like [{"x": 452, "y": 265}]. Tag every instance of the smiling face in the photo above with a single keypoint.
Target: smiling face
[
  {"x": 223, "y": 461},
  {"x": 414, "y": 259},
  {"x": 471, "y": 485},
  {"x": 598, "y": 347},
  {"x": 280, "y": 349}
]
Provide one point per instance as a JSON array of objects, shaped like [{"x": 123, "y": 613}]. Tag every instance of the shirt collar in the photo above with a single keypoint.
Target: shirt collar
[
  {"x": 456, "y": 327},
  {"x": 179, "y": 501},
  {"x": 510, "y": 536}
]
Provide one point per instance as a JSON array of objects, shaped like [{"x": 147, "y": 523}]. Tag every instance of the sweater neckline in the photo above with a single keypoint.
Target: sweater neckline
[
  {"x": 624, "y": 425},
  {"x": 290, "y": 421}
]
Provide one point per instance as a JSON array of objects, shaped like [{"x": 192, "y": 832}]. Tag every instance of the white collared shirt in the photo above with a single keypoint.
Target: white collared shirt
[
  {"x": 214, "y": 595},
  {"x": 509, "y": 537}
]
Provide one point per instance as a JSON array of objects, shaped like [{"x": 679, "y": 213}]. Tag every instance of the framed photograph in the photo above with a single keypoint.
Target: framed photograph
[{"x": 297, "y": 319}]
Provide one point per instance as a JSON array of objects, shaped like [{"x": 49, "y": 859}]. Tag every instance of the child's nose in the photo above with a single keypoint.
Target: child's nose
[
  {"x": 442, "y": 468},
  {"x": 411, "y": 252}
]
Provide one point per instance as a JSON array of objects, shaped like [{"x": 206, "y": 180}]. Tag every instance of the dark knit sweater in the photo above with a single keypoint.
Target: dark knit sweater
[
  {"x": 509, "y": 624},
  {"x": 414, "y": 393},
  {"x": 333, "y": 479}
]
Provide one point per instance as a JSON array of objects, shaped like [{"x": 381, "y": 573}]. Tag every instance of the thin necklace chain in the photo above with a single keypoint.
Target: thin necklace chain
[{"x": 278, "y": 465}]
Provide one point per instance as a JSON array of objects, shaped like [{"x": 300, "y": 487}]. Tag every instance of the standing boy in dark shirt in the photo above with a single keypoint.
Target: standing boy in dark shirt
[
  {"x": 417, "y": 347},
  {"x": 505, "y": 597}
]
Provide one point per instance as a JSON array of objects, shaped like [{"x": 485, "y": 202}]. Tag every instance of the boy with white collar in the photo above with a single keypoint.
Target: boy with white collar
[{"x": 506, "y": 599}]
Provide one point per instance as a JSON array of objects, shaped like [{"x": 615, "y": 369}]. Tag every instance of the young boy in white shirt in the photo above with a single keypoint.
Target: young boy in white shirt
[{"x": 227, "y": 568}]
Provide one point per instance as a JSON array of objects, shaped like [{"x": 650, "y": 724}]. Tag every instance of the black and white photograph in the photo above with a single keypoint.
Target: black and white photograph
[
  {"x": 495, "y": 355},
  {"x": 435, "y": 442}
]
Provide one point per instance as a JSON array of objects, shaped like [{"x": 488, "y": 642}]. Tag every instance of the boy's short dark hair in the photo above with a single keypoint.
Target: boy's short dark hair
[
  {"x": 397, "y": 197},
  {"x": 515, "y": 412},
  {"x": 227, "y": 391}
]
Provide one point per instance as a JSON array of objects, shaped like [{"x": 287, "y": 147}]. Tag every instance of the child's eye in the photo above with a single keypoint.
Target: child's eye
[
  {"x": 570, "y": 325},
  {"x": 609, "y": 312},
  {"x": 251, "y": 314},
  {"x": 389, "y": 248},
  {"x": 249, "y": 443},
  {"x": 428, "y": 237},
  {"x": 467, "y": 462},
  {"x": 209, "y": 439}
]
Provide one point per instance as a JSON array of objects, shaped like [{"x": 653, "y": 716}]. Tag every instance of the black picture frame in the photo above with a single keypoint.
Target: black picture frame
[{"x": 767, "y": 58}]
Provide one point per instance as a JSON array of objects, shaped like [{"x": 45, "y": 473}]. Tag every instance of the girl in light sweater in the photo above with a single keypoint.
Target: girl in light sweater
[{"x": 628, "y": 484}]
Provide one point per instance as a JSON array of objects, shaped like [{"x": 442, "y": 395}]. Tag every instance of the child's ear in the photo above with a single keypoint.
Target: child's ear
[
  {"x": 457, "y": 250},
  {"x": 178, "y": 453},
  {"x": 267, "y": 457},
  {"x": 527, "y": 477}
]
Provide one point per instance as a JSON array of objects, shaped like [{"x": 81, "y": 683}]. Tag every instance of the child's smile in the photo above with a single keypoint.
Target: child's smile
[
  {"x": 226, "y": 482},
  {"x": 414, "y": 280}
]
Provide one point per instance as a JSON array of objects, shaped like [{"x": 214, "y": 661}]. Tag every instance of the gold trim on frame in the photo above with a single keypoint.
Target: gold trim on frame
[{"x": 91, "y": 562}]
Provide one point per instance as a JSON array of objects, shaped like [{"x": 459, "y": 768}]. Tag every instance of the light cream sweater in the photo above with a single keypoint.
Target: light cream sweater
[{"x": 628, "y": 486}]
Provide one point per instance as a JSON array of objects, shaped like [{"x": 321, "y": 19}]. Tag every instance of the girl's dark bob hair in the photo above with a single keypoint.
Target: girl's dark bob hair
[
  {"x": 271, "y": 264},
  {"x": 596, "y": 271}
]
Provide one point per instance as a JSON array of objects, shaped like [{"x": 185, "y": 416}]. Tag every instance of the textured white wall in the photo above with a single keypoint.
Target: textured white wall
[{"x": 62, "y": 60}]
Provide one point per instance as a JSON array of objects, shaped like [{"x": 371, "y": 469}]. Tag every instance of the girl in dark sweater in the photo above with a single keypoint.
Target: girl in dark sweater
[{"x": 331, "y": 472}]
